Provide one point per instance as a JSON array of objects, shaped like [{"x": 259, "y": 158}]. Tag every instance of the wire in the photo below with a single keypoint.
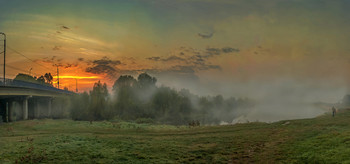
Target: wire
[
  {"x": 18, "y": 69},
  {"x": 10, "y": 75},
  {"x": 29, "y": 59}
]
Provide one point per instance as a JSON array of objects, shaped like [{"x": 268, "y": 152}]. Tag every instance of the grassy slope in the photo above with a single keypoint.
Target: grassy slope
[{"x": 323, "y": 140}]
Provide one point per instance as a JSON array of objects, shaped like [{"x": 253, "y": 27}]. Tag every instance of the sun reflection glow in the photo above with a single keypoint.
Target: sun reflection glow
[{"x": 77, "y": 77}]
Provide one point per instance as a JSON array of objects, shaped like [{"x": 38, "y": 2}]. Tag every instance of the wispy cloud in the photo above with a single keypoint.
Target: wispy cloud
[
  {"x": 210, "y": 52},
  {"x": 205, "y": 35},
  {"x": 56, "y": 48},
  {"x": 190, "y": 60},
  {"x": 56, "y": 61},
  {"x": 170, "y": 58},
  {"x": 65, "y": 27}
]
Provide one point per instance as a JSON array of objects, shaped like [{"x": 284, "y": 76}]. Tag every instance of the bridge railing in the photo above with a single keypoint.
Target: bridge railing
[{"x": 25, "y": 84}]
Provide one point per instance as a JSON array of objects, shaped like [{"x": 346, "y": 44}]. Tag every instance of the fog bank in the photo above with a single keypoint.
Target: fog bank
[{"x": 276, "y": 98}]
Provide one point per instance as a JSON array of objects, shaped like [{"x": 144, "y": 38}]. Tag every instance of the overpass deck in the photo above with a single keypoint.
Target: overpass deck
[{"x": 15, "y": 95}]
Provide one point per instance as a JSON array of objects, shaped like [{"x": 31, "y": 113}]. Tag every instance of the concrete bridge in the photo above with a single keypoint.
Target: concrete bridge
[{"x": 20, "y": 100}]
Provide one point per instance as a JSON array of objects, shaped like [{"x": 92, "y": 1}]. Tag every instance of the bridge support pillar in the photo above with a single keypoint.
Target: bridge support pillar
[
  {"x": 25, "y": 108},
  {"x": 49, "y": 107}
]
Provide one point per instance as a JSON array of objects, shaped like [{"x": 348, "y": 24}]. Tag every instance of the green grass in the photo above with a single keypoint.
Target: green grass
[{"x": 319, "y": 140}]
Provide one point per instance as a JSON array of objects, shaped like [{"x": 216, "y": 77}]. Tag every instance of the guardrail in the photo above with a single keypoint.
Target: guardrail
[{"x": 25, "y": 84}]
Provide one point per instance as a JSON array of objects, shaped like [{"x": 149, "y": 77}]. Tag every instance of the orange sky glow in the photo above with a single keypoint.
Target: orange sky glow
[{"x": 184, "y": 43}]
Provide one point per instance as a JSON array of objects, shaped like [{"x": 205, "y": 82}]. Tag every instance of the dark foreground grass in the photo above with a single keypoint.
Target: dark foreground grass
[{"x": 320, "y": 140}]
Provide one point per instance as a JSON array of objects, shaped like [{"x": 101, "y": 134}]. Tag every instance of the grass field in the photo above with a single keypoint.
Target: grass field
[{"x": 319, "y": 140}]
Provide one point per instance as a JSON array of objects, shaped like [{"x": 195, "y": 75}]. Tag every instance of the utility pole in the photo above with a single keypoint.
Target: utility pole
[
  {"x": 58, "y": 78},
  {"x": 4, "y": 56}
]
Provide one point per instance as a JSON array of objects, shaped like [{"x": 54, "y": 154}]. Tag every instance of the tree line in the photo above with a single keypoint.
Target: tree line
[
  {"x": 45, "y": 79},
  {"x": 140, "y": 99}
]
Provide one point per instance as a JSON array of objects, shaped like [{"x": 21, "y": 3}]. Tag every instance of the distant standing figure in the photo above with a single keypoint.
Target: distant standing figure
[{"x": 333, "y": 111}]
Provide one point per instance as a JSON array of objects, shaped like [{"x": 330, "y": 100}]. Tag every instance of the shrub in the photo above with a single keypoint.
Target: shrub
[{"x": 144, "y": 121}]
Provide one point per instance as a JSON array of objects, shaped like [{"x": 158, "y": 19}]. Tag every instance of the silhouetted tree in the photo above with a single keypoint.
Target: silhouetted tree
[
  {"x": 48, "y": 78},
  {"x": 170, "y": 107},
  {"x": 146, "y": 87},
  {"x": 141, "y": 99},
  {"x": 218, "y": 101},
  {"x": 80, "y": 104},
  {"x": 124, "y": 81},
  {"x": 146, "y": 81},
  {"x": 98, "y": 101},
  {"x": 205, "y": 114},
  {"x": 41, "y": 80}
]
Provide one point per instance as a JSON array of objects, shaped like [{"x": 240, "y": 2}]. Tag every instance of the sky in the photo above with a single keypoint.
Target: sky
[{"x": 248, "y": 48}]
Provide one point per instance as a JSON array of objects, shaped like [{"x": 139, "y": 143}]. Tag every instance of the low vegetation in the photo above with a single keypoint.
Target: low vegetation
[{"x": 324, "y": 139}]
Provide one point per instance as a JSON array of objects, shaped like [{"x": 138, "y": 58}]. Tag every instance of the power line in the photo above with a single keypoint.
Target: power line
[
  {"x": 24, "y": 71},
  {"x": 11, "y": 74},
  {"x": 18, "y": 69},
  {"x": 58, "y": 81},
  {"x": 29, "y": 58}
]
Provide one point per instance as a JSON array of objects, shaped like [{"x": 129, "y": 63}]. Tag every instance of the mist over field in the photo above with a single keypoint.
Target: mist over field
[
  {"x": 174, "y": 81},
  {"x": 276, "y": 98}
]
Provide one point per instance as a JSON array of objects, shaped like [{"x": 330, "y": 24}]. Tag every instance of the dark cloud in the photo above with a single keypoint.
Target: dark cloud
[
  {"x": 56, "y": 48},
  {"x": 156, "y": 58},
  {"x": 49, "y": 59},
  {"x": 229, "y": 49},
  {"x": 213, "y": 51},
  {"x": 106, "y": 61},
  {"x": 210, "y": 52},
  {"x": 194, "y": 59},
  {"x": 180, "y": 65},
  {"x": 65, "y": 27},
  {"x": 170, "y": 58},
  {"x": 58, "y": 62},
  {"x": 68, "y": 65},
  {"x": 101, "y": 69},
  {"x": 201, "y": 56},
  {"x": 206, "y": 36},
  {"x": 104, "y": 66},
  {"x": 197, "y": 59},
  {"x": 61, "y": 29}
]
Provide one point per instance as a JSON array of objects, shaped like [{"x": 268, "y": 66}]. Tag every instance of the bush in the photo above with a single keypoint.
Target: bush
[{"x": 145, "y": 121}]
